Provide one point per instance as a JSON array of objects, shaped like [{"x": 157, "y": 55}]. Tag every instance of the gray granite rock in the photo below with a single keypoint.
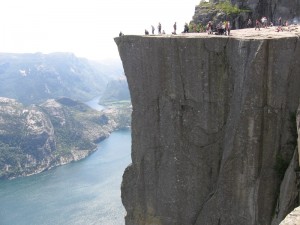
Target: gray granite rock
[
  {"x": 290, "y": 186},
  {"x": 211, "y": 116}
]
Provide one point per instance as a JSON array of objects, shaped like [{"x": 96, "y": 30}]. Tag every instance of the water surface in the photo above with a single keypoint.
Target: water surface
[{"x": 84, "y": 193}]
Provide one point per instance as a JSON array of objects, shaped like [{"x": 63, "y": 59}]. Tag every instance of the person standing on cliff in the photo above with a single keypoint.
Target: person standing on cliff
[
  {"x": 209, "y": 27},
  {"x": 257, "y": 25},
  {"x": 159, "y": 28},
  {"x": 227, "y": 28},
  {"x": 186, "y": 28},
  {"x": 249, "y": 23},
  {"x": 264, "y": 22},
  {"x": 174, "y": 26},
  {"x": 153, "y": 29},
  {"x": 279, "y": 21}
]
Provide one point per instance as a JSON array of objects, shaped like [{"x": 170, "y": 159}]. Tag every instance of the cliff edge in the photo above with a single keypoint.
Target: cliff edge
[{"x": 212, "y": 126}]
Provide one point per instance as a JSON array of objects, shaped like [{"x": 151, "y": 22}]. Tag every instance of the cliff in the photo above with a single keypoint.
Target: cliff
[{"x": 212, "y": 126}]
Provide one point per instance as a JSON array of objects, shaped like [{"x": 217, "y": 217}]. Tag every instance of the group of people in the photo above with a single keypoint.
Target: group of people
[
  {"x": 222, "y": 28},
  {"x": 263, "y": 22},
  {"x": 160, "y": 31},
  {"x": 158, "y": 28}
]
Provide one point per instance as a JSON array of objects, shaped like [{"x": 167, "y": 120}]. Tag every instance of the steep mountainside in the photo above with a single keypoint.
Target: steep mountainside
[
  {"x": 37, "y": 138},
  {"x": 288, "y": 10},
  {"x": 116, "y": 90},
  {"x": 213, "y": 128},
  {"x": 34, "y": 78}
]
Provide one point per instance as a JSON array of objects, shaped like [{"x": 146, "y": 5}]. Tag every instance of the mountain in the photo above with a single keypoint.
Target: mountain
[
  {"x": 38, "y": 137},
  {"x": 34, "y": 78},
  {"x": 115, "y": 90}
]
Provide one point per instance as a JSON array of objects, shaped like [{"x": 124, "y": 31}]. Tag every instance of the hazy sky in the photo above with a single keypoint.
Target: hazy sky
[{"x": 84, "y": 27}]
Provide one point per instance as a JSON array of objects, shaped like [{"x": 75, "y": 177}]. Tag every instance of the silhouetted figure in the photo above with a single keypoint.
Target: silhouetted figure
[
  {"x": 264, "y": 21},
  {"x": 163, "y": 32},
  {"x": 227, "y": 28},
  {"x": 279, "y": 21},
  {"x": 146, "y": 32},
  {"x": 153, "y": 29},
  {"x": 175, "y": 27},
  {"x": 159, "y": 28},
  {"x": 257, "y": 25},
  {"x": 121, "y": 34},
  {"x": 209, "y": 27},
  {"x": 220, "y": 28},
  {"x": 249, "y": 23},
  {"x": 186, "y": 28}
]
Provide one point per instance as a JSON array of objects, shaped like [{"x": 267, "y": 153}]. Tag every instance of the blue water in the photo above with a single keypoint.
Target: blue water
[{"x": 84, "y": 193}]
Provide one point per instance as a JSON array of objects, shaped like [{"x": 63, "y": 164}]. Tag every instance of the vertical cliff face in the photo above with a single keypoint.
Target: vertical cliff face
[
  {"x": 211, "y": 118},
  {"x": 294, "y": 217}
]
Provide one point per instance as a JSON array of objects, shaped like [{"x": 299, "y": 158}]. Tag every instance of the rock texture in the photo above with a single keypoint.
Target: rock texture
[
  {"x": 288, "y": 10},
  {"x": 298, "y": 130},
  {"x": 294, "y": 217},
  {"x": 210, "y": 127}
]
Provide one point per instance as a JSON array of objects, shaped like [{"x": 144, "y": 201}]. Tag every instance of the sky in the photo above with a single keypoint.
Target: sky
[{"x": 84, "y": 27}]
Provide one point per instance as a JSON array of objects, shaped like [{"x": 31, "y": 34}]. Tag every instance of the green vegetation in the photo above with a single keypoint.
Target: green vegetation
[
  {"x": 226, "y": 6},
  {"x": 196, "y": 27}
]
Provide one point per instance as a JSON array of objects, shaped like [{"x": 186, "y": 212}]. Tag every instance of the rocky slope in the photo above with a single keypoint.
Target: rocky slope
[
  {"x": 37, "y": 138},
  {"x": 116, "y": 90},
  {"x": 212, "y": 132},
  {"x": 288, "y": 10}
]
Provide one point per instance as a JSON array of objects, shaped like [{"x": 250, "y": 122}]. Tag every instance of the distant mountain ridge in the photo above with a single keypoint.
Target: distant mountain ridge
[{"x": 34, "y": 78}]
